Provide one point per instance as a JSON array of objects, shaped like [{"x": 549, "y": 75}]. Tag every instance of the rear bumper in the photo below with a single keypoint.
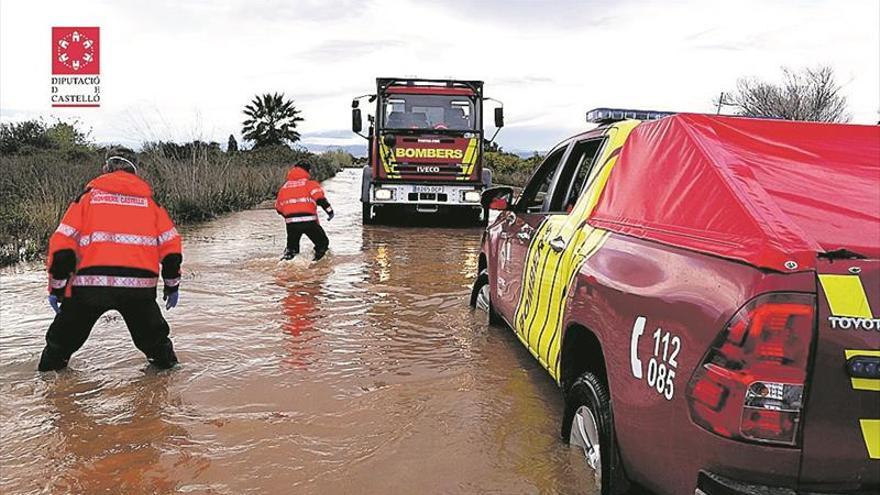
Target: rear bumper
[{"x": 713, "y": 484}]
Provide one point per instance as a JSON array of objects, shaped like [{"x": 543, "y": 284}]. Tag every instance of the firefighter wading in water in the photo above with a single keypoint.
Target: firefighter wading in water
[
  {"x": 106, "y": 255},
  {"x": 297, "y": 202}
]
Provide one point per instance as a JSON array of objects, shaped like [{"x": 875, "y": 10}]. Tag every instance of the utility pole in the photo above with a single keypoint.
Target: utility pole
[{"x": 720, "y": 103}]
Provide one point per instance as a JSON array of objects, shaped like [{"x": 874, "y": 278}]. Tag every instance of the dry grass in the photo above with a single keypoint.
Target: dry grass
[{"x": 37, "y": 188}]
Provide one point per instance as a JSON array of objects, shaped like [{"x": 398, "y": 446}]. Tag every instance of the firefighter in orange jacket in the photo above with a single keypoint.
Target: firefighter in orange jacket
[
  {"x": 298, "y": 201},
  {"x": 106, "y": 255}
]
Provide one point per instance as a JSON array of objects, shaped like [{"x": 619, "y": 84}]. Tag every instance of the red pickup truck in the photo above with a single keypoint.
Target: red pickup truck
[{"x": 705, "y": 290}]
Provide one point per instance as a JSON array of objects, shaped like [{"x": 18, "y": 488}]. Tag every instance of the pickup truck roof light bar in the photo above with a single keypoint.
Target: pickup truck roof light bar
[{"x": 605, "y": 115}]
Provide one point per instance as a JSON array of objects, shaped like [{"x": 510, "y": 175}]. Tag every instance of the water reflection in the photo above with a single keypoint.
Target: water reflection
[
  {"x": 108, "y": 440},
  {"x": 300, "y": 307}
]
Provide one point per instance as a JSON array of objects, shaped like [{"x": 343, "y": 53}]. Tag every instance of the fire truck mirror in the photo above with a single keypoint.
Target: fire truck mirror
[
  {"x": 499, "y": 117},
  {"x": 356, "y": 123},
  {"x": 390, "y": 140}
]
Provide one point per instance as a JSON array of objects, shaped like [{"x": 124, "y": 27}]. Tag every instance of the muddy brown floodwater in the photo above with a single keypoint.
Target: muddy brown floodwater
[{"x": 364, "y": 373}]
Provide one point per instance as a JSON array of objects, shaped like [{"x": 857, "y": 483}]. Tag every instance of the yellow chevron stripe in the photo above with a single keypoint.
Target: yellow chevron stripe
[
  {"x": 846, "y": 295},
  {"x": 470, "y": 157},
  {"x": 870, "y": 427},
  {"x": 386, "y": 158},
  {"x": 548, "y": 275},
  {"x": 870, "y": 384},
  {"x": 871, "y": 433}
]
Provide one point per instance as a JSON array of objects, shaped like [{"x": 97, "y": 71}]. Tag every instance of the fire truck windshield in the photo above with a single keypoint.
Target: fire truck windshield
[{"x": 437, "y": 112}]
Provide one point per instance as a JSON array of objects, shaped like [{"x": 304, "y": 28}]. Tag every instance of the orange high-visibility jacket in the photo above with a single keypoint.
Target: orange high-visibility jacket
[
  {"x": 115, "y": 235},
  {"x": 299, "y": 197}
]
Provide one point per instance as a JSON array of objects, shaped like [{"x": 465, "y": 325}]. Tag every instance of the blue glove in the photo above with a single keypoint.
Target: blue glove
[
  {"x": 330, "y": 215},
  {"x": 54, "y": 302},
  {"x": 171, "y": 299}
]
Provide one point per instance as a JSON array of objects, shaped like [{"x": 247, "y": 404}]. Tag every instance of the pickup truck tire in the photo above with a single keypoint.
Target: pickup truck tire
[
  {"x": 588, "y": 427},
  {"x": 366, "y": 214},
  {"x": 480, "y": 298}
]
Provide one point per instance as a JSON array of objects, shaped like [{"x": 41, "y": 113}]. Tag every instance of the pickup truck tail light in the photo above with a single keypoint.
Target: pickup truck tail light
[{"x": 750, "y": 386}]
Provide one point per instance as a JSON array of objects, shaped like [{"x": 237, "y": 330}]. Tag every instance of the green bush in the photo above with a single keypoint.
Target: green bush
[
  {"x": 340, "y": 158},
  {"x": 509, "y": 169}
]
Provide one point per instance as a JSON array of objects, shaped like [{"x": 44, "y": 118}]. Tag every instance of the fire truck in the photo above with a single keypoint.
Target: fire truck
[{"x": 425, "y": 148}]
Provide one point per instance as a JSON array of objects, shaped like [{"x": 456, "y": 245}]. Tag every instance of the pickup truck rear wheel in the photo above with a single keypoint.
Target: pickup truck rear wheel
[
  {"x": 588, "y": 427},
  {"x": 481, "y": 299}
]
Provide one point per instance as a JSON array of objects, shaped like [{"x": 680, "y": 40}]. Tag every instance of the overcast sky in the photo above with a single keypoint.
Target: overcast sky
[{"x": 181, "y": 70}]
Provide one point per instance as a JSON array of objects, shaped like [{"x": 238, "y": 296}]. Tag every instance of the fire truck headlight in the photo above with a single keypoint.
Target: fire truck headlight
[
  {"x": 472, "y": 196},
  {"x": 382, "y": 194}
]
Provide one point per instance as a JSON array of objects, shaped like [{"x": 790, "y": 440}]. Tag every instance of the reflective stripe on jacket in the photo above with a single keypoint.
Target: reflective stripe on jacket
[
  {"x": 299, "y": 196},
  {"x": 115, "y": 229}
]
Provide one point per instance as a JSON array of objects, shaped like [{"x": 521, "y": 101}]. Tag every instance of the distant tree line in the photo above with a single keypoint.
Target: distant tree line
[{"x": 33, "y": 135}]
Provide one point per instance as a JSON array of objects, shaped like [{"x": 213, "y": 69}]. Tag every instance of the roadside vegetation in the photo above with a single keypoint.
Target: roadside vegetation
[
  {"x": 343, "y": 159},
  {"x": 509, "y": 169},
  {"x": 46, "y": 166}
]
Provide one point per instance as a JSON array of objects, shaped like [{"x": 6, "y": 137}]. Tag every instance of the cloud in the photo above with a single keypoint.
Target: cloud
[
  {"x": 335, "y": 51},
  {"x": 180, "y": 69},
  {"x": 526, "y": 14},
  {"x": 522, "y": 81},
  {"x": 283, "y": 11},
  {"x": 699, "y": 34}
]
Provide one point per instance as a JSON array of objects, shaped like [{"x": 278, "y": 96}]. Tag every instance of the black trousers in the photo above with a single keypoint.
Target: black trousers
[
  {"x": 72, "y": 326},
  {"x": 313, "y": 230}
]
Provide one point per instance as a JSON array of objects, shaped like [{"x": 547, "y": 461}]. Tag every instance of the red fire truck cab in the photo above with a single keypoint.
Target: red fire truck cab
[{"x": 425, "y": 147}]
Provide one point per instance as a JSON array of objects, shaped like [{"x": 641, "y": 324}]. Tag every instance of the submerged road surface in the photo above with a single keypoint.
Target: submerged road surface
[{"x": 363, "y": 373}]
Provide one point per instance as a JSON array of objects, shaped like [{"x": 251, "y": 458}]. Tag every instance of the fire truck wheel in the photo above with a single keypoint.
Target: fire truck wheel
[
  {"x": 588, "y": 427},
  {"x": 366, "y": 214},
  {"x": 481, "y": 300}
]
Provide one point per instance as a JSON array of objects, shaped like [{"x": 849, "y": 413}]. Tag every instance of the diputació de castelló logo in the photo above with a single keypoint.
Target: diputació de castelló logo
[{"x": 76, "y": 67}]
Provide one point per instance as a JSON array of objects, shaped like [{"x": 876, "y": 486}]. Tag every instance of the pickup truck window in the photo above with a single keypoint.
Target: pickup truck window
[
  {"x": 573, "y": 180},
  {"x": 534, "y": 195}
]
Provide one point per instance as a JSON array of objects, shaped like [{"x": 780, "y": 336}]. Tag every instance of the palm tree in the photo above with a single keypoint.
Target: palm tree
[{"x": 271, "y": 120}]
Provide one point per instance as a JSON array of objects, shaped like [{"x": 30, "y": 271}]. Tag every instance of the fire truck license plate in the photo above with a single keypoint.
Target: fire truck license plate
[{"x": 428, "y": 189}]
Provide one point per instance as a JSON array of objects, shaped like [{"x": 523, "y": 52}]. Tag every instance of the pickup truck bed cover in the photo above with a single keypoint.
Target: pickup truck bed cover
[{"x": 765, "y": 192}]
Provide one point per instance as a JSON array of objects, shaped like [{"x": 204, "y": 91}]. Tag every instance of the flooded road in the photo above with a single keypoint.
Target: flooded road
[{"x": 365, "y": 372}]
